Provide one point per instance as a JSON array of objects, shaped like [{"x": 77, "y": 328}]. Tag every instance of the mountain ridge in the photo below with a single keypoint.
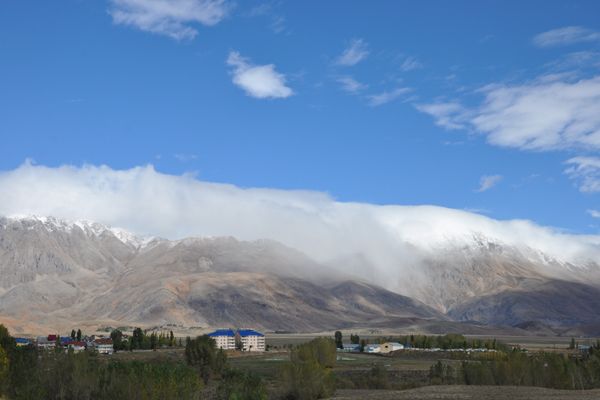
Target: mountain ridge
[{"x": 58, "y": 272}]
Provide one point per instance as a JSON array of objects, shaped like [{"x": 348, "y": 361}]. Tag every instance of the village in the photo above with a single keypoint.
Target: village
[
  {"x": 227, "y": 339},
  {"x": 247, "y": 340}
]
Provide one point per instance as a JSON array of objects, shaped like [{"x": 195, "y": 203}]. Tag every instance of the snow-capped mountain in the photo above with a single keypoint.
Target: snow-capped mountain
[{"x": 57, "y": 273}]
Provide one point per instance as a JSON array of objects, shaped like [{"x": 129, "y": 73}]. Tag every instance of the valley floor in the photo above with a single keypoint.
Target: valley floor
[{"x": 457, "y": 392}]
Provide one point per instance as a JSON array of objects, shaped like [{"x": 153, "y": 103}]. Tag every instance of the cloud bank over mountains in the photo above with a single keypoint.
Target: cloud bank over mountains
[{"x": 148, "y": 202}]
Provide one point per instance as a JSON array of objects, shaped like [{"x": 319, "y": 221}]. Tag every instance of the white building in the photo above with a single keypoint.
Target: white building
[
  {"x": 44, "y": 342},
  {"x": 391, "y": 346},
  {"x": 372, "y": 348},
  {"x": 103, "y": 346},
  {"x": 76, "y": 347},
  {"x": 251, "y": 340},
  {"x": 225, "y": 338}
]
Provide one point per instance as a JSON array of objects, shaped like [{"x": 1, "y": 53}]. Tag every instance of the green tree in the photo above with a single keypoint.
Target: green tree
[
  {"x": 363, "y": 344},
  {"x": 4, "y": 371},
  {"x": 58, "y": 345},
  {"x": 153, "y": 341},
  {"x": 572, "y": 344},
  {"x": 137, "y": 339},
  {"x": 241, "y": 385},
  {"x": 78, "y": 335},
  {"x": 117, "y": 338},
  {"x": 309, "y": 374},
  {"x": 73, "y": 334},
  {"x": 338, "y": 340},
  {"x": 202, "y": 354},
  {"x": 6, "y": 341},
  {"x": 171, "y": 339}
]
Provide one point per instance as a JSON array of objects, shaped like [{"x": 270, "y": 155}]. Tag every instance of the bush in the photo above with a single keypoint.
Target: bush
[
  {"x": 202, "y": 353},
  {"x": 239, "y": 385},
  {"x": 308, "y": 376}
]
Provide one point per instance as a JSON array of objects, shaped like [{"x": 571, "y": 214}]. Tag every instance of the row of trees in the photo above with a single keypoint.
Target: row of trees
[
  {"x": 26, "y": 373},
  {"x": 550, "y": 370},
  {"x": 354, "y": 339},
  {"x": 448, "y": 341},
  {"x": 445, "y": 342},
  {"x": 76, "y": 335},
  {"x": 141, "y": 340}
]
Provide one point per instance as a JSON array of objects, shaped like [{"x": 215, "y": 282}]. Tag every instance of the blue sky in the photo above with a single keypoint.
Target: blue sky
[{"x": 490, "y": 106}]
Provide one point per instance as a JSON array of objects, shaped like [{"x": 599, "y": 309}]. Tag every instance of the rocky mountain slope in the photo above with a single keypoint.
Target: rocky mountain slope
[{"x": 58, "y": 274}]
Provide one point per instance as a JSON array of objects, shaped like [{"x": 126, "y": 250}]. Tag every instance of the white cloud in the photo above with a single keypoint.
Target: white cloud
[
  {"x": 183, "y": 157},
  {"x": 550, "y": 113},
  {"x": 389, "y": 242},
  {"x": 387, "y": 96},
  {"x": 449, "y": 115},
  {"x": 594, "y": 213},
  {"x": 351, "y": 85},
  {"x": 410, "y": 63},
  {"x": 171, "y": 18},
  {"x": 566, "y": 36},
  {"x": 487, "y": 182},
  {"x": 354, "y": 53},
  {"x": 260, "y": 81},
  {"x": 586, "y": 172}
]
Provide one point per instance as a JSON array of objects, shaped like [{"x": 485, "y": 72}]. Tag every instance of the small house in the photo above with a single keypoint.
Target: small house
[
  {"x": 391, "y": 346},
  {"x": 103, "y": 346},
  {"x": 349, "y": 348},
  {"x": 22, "y": 342},
  {"x": 372, "y": 348},
  {"x": 76, "y": 346}
]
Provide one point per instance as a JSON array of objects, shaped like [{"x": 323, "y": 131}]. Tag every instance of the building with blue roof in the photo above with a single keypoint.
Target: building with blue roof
[
  {"x": 225, "y": 338},
  {"x": 251, "y": 340},
  {"x": 22, "y": 342}
]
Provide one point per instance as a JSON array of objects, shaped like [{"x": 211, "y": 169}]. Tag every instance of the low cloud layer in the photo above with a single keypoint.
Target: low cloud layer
[
  {"x": 383, "y": 239},
  {"x": 173, "y": 18},
  {"x": 259, "y": 81}
]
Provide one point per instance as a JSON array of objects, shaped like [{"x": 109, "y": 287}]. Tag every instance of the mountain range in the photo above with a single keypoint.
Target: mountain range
[{"x": 57, "y": 274}]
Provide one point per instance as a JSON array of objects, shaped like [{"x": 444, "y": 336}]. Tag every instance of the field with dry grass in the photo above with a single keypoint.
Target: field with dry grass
[{"x": 469, "y": 392}]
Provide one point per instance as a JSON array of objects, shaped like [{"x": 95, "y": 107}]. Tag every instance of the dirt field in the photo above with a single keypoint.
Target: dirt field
[{"x": 468, "y": 392}]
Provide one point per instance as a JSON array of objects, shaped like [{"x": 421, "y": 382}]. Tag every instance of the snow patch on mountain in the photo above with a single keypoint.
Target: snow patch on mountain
[{"x": 90, "y": 228}]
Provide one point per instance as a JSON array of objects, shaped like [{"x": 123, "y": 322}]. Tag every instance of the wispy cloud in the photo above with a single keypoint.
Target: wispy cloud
[
  {"x": 594, "y": 213},
  {"x": 270, "y": 10},
  {"x": 410, "y": 63},
  {"x": 354, "y": 53},
  {"x": 553, "y": 112},
  {"x": 172, "y": 18},
  {"x": 350, "y": 85},
  {"x": 259, "y": 81},
  {"x": 387, "y": 96},
  {"x": 566, "y": 36},
  {"x": 449, "y": 115},
  {"x": 487, "y": 182},
  {"x": 183, "y": 157},
  {"x": 586, "y": 172}
]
